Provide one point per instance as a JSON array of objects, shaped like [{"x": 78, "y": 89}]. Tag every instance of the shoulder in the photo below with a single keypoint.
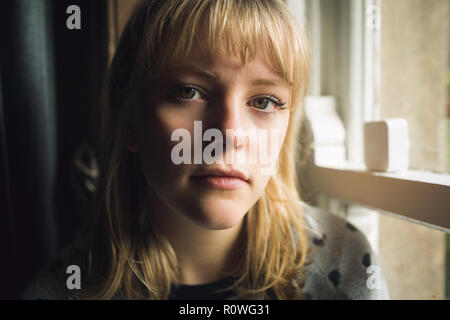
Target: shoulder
[
  {"x": 50, "y": 283},
  {"x": 343, "y": 264}
]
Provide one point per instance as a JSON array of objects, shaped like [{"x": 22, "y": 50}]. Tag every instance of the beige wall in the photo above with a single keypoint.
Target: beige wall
[
  {"x": 412, "y": 259},
  {"x": 414, "y": 49}
]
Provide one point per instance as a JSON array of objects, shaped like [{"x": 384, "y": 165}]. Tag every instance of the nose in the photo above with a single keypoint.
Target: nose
[{"x": 230, "y": 118}]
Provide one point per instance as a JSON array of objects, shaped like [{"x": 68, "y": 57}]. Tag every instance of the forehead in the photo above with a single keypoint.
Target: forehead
[{"x": 201, "y": 60}]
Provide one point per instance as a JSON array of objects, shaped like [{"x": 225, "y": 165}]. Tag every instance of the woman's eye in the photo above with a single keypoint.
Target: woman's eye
[
  {"x": 187, "y": 93},
  {"x": 266, "y": 104}
]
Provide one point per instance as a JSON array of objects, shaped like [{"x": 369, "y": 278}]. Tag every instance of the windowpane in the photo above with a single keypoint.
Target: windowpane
[{"x": 414, "y": 82}]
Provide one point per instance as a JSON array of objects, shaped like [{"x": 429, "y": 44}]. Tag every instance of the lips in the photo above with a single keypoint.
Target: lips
[
  {"x": 222, "y": 172},
  {"x": 221, "y": 178}
]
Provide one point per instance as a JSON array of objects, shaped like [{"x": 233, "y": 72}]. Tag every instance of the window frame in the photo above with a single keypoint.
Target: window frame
[{"x": 418, "y": 196}]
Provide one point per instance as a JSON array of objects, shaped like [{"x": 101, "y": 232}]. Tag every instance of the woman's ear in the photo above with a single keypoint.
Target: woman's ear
[{"x": 132, "y": 144}]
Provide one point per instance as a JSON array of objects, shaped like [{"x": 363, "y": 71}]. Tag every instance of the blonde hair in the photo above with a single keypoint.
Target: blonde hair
[{"x": 128, "y": 257}]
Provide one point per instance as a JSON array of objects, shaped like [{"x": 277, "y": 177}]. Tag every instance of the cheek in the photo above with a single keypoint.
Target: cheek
[
  {"x": 155, "y": 146},
  {"x": 267, "y": 143},
  {"x": 259, "y": 183},
  {"x": 172, "y": 118},
  {"x": 282, "y": 126}
]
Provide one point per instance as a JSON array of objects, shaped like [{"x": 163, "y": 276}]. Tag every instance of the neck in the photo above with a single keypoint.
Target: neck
[{"x": 204, "y": 255}]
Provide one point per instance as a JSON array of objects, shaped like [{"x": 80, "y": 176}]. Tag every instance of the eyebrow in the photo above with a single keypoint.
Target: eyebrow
[
  {"x": 271, "y": 82},
  {"x": 279, "y": 82}
]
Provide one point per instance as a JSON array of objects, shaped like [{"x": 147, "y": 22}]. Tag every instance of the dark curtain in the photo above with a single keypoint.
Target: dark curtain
[{"x": 50, "y": 79}]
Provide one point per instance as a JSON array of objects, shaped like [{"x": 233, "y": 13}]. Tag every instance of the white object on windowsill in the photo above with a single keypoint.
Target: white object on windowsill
[
  {"x": 327, "y": 130},
  {"x": 386, "y": 145}
]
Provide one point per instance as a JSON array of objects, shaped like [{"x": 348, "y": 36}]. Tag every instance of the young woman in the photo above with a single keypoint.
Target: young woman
[{"x": 169, "y": 223}]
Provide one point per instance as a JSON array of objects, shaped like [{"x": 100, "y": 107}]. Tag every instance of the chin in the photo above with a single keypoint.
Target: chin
[{"x": 220, "y": 214}]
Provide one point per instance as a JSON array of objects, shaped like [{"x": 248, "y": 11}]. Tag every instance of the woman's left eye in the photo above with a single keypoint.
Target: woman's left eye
[{"x": 267, "y": 104}]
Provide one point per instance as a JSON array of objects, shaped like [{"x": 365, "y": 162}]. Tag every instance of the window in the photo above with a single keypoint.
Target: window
[{"x": 372, "y": 60}]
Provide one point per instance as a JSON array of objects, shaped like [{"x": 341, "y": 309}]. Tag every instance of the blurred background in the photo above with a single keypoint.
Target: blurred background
[{"x": 371, "y": 60}]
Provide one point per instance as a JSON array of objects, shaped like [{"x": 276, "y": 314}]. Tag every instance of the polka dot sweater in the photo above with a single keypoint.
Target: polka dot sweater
[{"x": 344, "y": 265}]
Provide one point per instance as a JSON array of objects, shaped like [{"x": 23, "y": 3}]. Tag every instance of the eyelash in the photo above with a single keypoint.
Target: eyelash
[
  {"x": 275, "y": 100},
  {"x": 174, "y": 90},
  {"x": 272, "y": 97}
]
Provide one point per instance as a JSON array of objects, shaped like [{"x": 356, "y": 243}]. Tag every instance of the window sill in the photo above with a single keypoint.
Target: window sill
[{"x": 420, "y": 196}]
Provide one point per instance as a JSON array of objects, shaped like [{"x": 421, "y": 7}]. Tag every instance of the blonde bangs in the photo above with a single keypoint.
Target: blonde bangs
[{"x": 233, "y": 28}]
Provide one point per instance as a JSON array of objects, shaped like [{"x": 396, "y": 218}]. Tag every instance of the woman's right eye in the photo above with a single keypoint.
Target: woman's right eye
[{"x": 186, "y": 93}]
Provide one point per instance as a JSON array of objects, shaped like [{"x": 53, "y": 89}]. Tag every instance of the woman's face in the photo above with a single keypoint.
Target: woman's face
[{"x": 212, "y": 92}]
